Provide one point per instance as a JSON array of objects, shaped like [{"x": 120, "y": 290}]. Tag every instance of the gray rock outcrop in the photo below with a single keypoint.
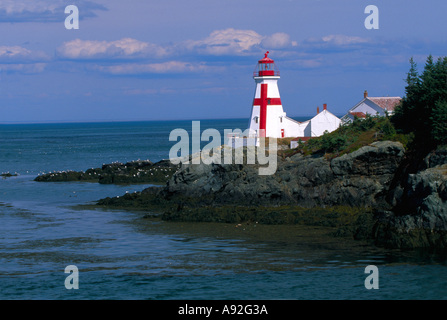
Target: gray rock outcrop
[
  {"x": 402, "y": 197},
  {"x": 356, "y": 179}
]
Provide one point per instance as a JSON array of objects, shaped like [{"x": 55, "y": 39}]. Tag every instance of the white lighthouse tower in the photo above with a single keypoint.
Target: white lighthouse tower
[
  {"x": 268, "y": 118},
  {"x": 267, "y": 114}
]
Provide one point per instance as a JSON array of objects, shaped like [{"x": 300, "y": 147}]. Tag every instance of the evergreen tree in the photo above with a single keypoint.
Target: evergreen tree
[
  {"x": 402, "y": 117},
  {"x": 439, "y": 122},
  {"x": 423, "y": 110}
]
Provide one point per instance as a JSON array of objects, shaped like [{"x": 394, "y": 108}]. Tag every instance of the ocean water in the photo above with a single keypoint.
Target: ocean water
[{"x": 121, "y": 255}]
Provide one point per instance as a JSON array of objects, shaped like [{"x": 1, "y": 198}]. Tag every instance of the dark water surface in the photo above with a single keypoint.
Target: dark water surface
[{"x": 121, "y": 255}]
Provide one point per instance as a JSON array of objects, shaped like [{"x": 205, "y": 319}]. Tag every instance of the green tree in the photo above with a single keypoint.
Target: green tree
[
  {"x": 439, "y": 122},
  {"x": 403, "y": 117},
  {"x": 423, "y": 106}
]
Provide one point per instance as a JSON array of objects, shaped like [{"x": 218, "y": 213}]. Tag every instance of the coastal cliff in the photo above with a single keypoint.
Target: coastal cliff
[
  {"x": 418, "y": 199},
  {"x": 369, "y": 194}
]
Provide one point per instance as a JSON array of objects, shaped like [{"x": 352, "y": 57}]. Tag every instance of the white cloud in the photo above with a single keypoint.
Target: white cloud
[
  {"x": 238, "y": 42},
  {"x": 13, "y": 52},
  {"x": 277, "y": 41},
  {"x": 160, "y": 68},
  {"x": 129, "y": 56},
  {"x": 335, "y": 43},
  {"x": 43, "y": 10},
  {"x": 341, "y": 40},
  {"x": 225, "y": 42},
  {"x": 123, "y": 48},
  {"x": 14, "y": 6},
  {"x": 20, "y": 55},
  {"x": 218, "y": 43},
  {"x": 16, "y": 58}
]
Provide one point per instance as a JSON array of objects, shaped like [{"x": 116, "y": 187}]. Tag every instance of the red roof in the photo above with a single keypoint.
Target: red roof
[
  {"x": 266, "y": 59},
  {"x": 386, "y": 103},
  {"x": 358, "y": 114}
]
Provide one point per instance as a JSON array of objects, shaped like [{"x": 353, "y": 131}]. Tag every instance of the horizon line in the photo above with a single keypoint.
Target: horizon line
[{"x": 129, "y": 120}]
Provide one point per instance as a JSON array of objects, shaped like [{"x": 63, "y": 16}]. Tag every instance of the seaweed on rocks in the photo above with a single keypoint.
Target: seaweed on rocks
[{"x": 139, "y": 171}]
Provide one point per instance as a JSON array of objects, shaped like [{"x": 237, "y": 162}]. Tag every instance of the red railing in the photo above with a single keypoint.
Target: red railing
[{"x": 262, "y": 73}]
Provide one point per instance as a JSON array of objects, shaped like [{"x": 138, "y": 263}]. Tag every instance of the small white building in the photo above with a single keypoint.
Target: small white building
[
  {"x": 268, "y": 118},
  {"x": 322, "y": 122},
  {"x": 372, "y": 106},
  {"x": 317, "y": 126}
]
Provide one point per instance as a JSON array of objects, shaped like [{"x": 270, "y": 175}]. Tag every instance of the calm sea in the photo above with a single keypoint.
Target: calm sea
[{"x": 120, "y": 255}]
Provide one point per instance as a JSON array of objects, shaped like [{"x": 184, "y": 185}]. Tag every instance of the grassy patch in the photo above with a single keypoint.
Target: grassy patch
[{"x": 350, "y": 137}]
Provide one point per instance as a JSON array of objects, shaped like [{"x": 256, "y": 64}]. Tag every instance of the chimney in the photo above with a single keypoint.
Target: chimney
[
  {"x": 365, "y": 94},
  {"x": 318, "y": 110},
  {"x": 324, "y": 106}
]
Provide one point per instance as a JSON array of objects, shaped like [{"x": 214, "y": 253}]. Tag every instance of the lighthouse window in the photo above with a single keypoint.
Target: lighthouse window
[{"x": 280, "y": 119}]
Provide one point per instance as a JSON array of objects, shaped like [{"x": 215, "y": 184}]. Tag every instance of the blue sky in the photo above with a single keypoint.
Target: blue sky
[{"x": 177, "y": 59}]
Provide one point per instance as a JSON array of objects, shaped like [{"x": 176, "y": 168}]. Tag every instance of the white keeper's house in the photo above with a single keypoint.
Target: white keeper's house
[
  {"x": 372, "y": 106},
  {"x": 268, "y": 118}
]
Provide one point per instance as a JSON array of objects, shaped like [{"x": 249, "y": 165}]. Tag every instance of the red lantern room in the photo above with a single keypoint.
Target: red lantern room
[{"x": 266, "y": 67}]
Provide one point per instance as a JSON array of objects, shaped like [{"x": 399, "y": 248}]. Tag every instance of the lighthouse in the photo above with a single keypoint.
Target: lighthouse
[
  {"x": 268, "y": 118},
  {"x": 267, "y": 113}
]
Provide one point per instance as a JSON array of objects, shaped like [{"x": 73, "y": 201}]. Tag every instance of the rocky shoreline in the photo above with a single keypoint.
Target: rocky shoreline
[
  {"x": 139, "y": 171},
  {"x": 377, "y": 193}
]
